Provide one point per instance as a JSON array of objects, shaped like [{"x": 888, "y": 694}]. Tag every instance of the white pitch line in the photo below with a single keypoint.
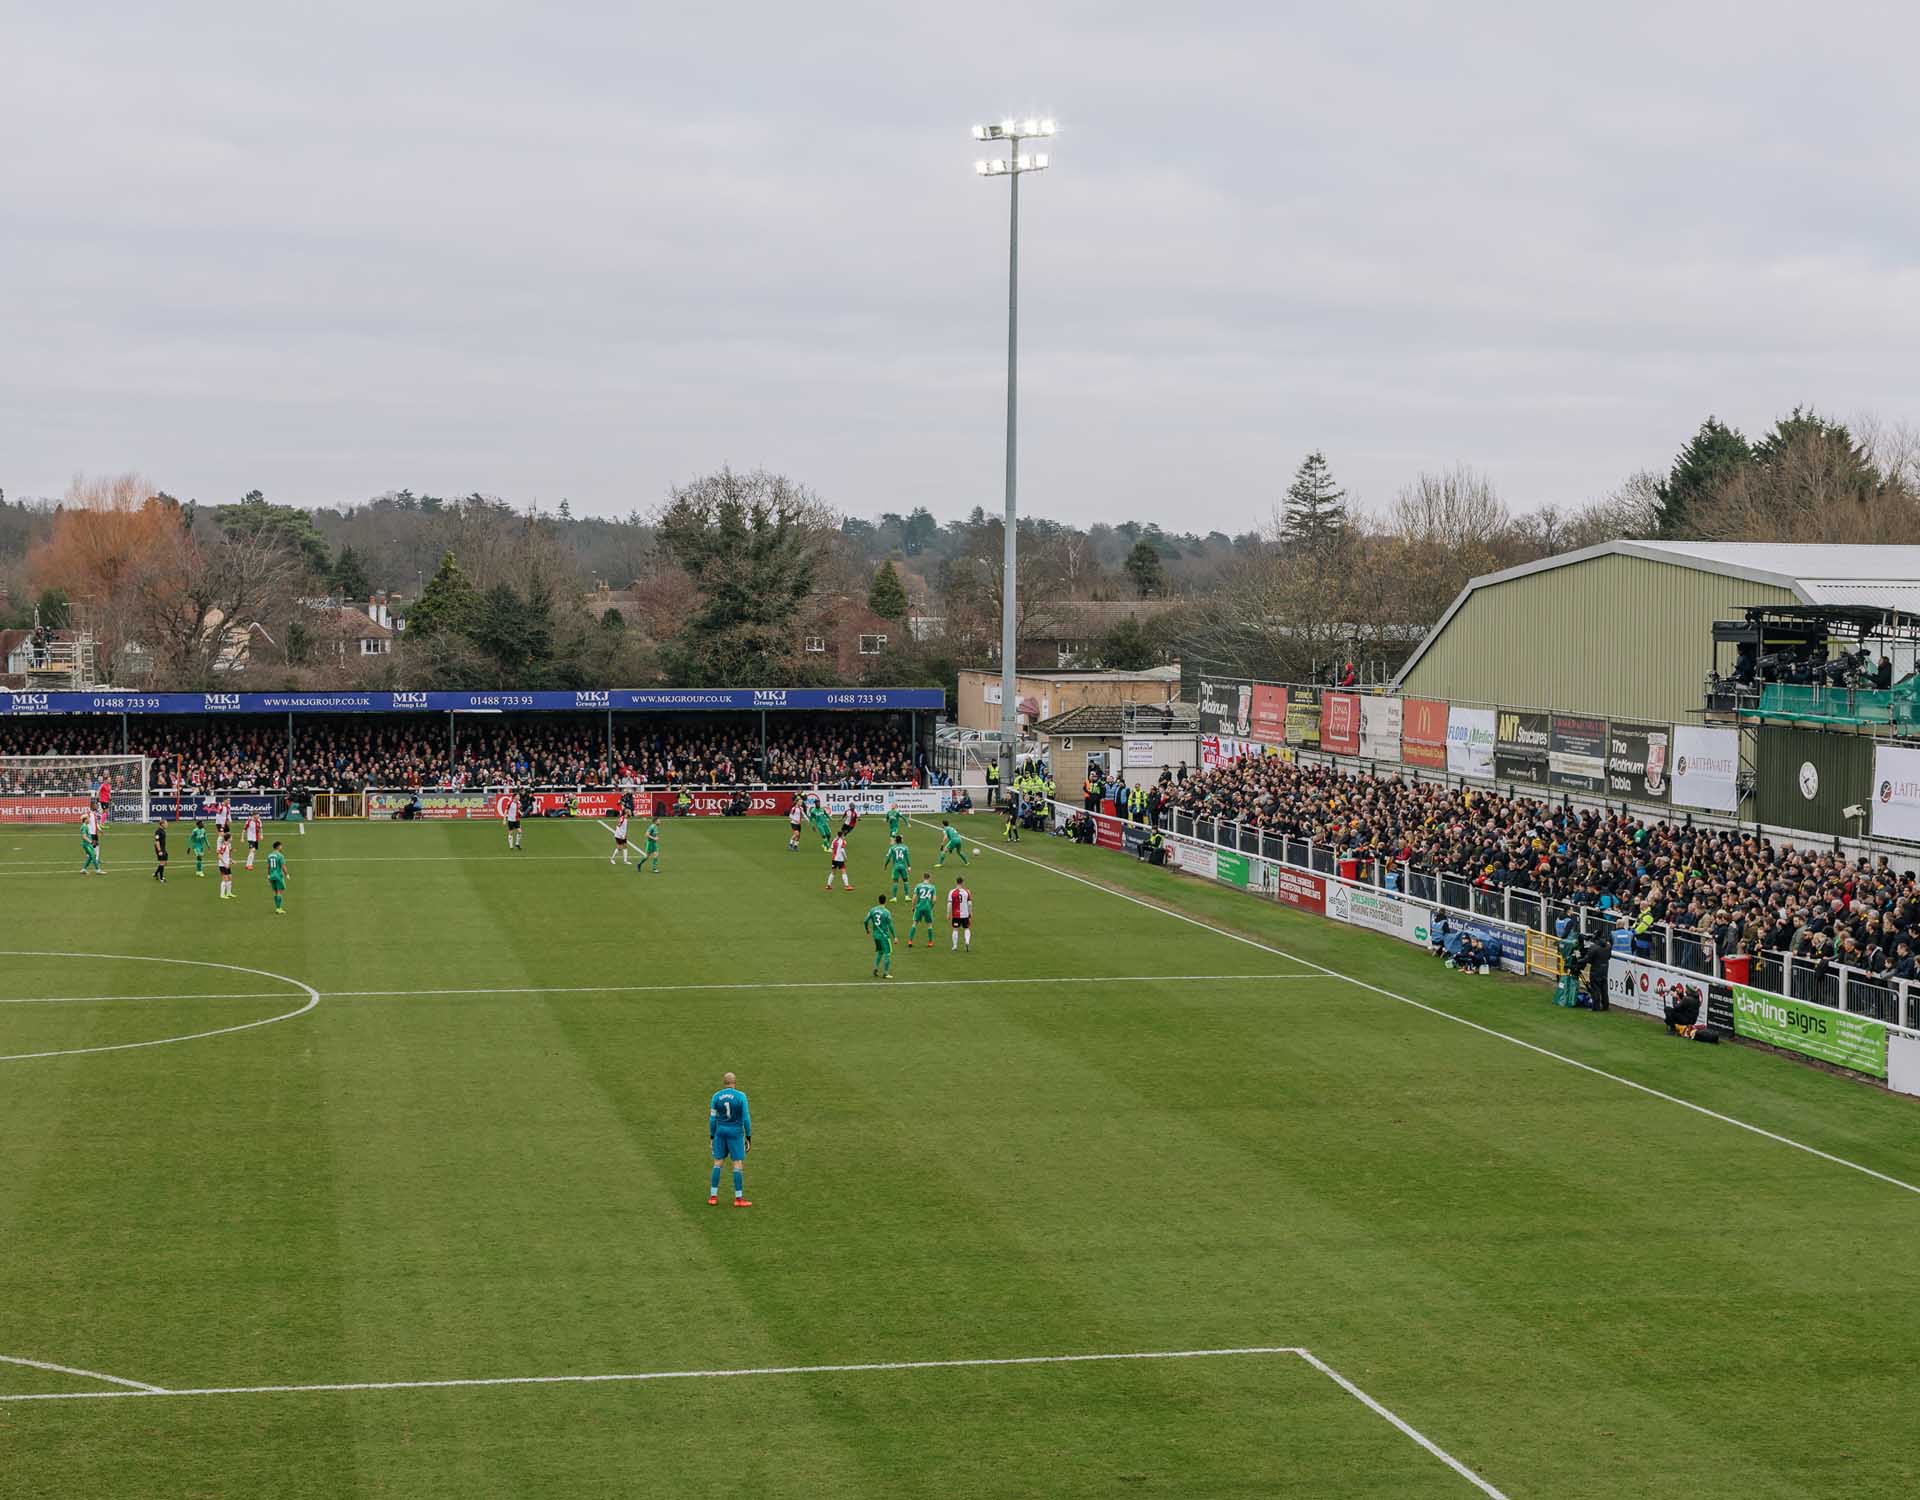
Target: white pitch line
[
  {"x": 1410, "y": 1431},
  {"x": 800, "y": 984},
  {"x": 133, "y": 1387},
  {"x": 313, "y": 999},
  {"x": 646, "y": 1376},
  {"x": 1446, "y": 1015},
  {"x": 97, "y": 999},
  {"x": 136, "y": 1389}
]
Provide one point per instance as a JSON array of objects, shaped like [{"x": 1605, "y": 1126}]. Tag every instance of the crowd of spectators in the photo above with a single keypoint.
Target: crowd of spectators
[
  {"x": 348, "y": 754},
  {"x": 1739, "y": 892}
]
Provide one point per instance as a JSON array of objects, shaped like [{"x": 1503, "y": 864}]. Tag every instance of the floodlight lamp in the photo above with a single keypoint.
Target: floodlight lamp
[
  {"x": 1040, "y": 162},
  {"x": 1031, "y": 127},
  {"x": 1006, "y": 127},
  {"x": 1047, "y": 127},
  {"x": 979, "y": 132},
  {"x": 980, "y": 167}
]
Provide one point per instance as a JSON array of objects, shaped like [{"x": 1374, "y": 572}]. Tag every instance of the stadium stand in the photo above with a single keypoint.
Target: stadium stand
[
  {"x": 349, "y": 754},
  {"x": 1724, "y": 892}
]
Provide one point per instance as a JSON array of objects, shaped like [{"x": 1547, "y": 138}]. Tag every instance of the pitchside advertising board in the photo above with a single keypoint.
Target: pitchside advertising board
[
  {"x": 1706, "y": 768},
  {"x": 161, "y": 806},
  {"x": 1380, "y": 728},
  {"x": 1576, "y": 753},
  {"x": 651, "y": 700},
  {"x": 1226, "y": 708},
  {"x": 1830, "y": 1035},
  {"x": 1520, "y": 742},
  {"x": 1303, "y": 717},
  {"x": 1637, "y": 761},
  {"x": 1896, "y": 793},
  {"x": 1470, "y": 742},
  {"x": 1340, "y": 724},
  {"x": 1362, "y": 906},
  {"x": 1423, "y": 733}
]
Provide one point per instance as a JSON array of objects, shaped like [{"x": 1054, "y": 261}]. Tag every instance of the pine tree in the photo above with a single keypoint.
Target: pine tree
[
  {"x": 1314, "y": 514},
  {"x": 1803, "y": 435},
  {"x": 449, "y": 602},
  {"x": 888, "y": 596},
  {"x": 350, "y": 579},
  {"x": 1715, "y": 452},
  {"x": 1143, "y": 567}
]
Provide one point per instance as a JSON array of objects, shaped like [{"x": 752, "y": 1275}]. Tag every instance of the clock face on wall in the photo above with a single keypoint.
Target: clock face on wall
[{"x": 1809, "y": 780}]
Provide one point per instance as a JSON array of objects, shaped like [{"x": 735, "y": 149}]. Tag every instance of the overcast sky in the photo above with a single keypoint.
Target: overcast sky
[{"x": 588, "y": 250}]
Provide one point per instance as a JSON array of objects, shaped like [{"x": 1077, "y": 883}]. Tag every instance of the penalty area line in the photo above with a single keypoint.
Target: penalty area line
[
  {"x": 1447, "y": 1015},
  {"x": 131, "y": 1387},
  {"x": 137, "y": 1390}
]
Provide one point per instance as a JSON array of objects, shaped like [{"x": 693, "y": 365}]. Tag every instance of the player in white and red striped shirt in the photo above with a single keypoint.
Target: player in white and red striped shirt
[
  {"x": 253, "y": 838},
  {"x": 837, "y": 852},
  {"x": 960, "y": 912}
]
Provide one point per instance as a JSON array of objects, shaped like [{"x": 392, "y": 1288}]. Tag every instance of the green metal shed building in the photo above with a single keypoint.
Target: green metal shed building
[{"x": 1625, "y": 629}]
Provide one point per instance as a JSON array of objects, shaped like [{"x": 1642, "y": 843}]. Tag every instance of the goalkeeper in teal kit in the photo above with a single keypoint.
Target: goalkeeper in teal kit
[{"x": 730, "y": 1124}]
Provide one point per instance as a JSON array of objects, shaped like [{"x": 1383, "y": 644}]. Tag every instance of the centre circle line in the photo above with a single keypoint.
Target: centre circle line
[{"x": 312, "y": 994}]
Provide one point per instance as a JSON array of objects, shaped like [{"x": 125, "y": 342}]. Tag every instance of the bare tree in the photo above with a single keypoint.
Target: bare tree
[{"x": 196, "y": 599}]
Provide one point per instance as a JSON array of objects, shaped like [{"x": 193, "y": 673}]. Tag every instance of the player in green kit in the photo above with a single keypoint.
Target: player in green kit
[
  {"x": 953, "y": 843},
  {"x": 899, "y": 868},
  {"x": 197, "y": 842},
  {"x": 896, "y": 820},
  {"x": 879, "y": 922},
  {"x": 652, "y": 849},
  {"x": 277, "y": 878},
  {"x": 924, "y": 895},
  {"x": 818, "y": 814}
]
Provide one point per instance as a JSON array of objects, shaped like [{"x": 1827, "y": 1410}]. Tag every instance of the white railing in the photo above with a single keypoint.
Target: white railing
[{"x": 1828, "y": 985}]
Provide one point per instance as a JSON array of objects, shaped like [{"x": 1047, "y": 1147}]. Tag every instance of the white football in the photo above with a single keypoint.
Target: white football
[{"x": 976, "y": 848}]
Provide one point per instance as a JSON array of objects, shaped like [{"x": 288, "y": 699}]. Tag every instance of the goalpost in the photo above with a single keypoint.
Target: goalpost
[{"x": 58, "y": 788}]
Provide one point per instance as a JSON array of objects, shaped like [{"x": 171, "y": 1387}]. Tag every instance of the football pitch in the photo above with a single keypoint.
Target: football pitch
[{"x": 1160, "y": 1190}]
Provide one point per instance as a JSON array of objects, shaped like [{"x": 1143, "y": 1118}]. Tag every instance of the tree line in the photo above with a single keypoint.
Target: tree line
[{"x": 720, "y": 580}]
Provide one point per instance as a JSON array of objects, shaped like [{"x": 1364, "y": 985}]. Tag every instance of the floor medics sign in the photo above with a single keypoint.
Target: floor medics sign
[{"x": 1830, "y": 1035}]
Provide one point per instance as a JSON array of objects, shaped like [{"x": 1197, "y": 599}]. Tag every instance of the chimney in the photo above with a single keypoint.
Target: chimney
[{"x": 377, "y": 609}]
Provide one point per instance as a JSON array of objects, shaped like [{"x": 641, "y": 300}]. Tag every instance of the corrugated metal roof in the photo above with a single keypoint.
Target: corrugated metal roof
[
  {"x": 1821, "y": 562},
  {"x": 1886, "y": 575}
]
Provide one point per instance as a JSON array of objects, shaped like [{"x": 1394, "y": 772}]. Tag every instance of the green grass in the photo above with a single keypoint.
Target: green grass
[{"x": 495, "y": 1165}]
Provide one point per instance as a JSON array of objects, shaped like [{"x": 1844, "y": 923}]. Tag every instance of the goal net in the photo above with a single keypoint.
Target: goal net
[{"x": 60, "y": 788}]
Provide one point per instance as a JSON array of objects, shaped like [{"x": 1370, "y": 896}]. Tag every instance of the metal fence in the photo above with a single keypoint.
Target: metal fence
[{"x": 1817, "y": 981}]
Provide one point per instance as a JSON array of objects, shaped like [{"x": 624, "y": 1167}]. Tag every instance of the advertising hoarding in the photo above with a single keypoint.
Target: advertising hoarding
[
  {"x": 1637, "y": 761},
  {"x": 1576, "y": 753},
  {"x": 1832, "y": 1036},
  {"x": 1268, "y": 721},
  {"x": 1896, "y": 792},
  {"x": 1423, "y": 732},
  {"x": 1520, "y": 742},
  {"x": 1706, "y": 768},
  {"x": 1340, "y": 724},
  {"x": 1303, "y": 717},
  {"x": 1470, "y": 742},
  {"x": 1380, "y": 728}
]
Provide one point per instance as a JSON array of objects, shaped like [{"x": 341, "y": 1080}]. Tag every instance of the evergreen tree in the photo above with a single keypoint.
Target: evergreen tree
[
  {"x": 1314, "y": 514},
  {"x": 1127, "y": 647},
  {"x": 1805, "y": 436},
  {"x": 1715, "y": 452},
  {"x": 888, "y": 596},
  {"x": 1143, "y": 567},
  {"x": 751, "y": 543},
  {"x": 288, "y": 523},
  {"x": 350, "y": 579},
  {"x": 919, "y": 532},
  {"x": 449, "y": 602}
]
